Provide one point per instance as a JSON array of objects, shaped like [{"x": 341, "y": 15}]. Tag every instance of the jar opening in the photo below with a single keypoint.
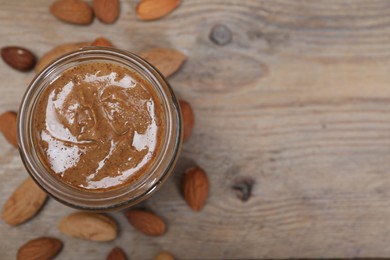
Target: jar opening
[{"x": 103, "y": 199}]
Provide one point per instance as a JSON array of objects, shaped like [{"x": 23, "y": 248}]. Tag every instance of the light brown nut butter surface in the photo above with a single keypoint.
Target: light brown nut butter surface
[{"x": 98, "y": 126}]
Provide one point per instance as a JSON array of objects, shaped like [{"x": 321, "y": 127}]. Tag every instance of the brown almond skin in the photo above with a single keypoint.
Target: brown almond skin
[
  {"x": 164, "y": 256},
  {"x": 195, "y": 188},
  {"x": 146, "y": 222},
  {"x": 166, "y": 60},
  {"x": 148, "y": 10},
  {"x": 107, "y": 11},
  {"x": 8, "y": 127},
  {"x": 116, "y": 253},
  {"x": 18, "y": 58},
  {"x": 39, "y": 249},
  {"x": 24, "y": 203},
  {"x": 72, "y": 11},
  {"x": 188, "y": 119},
  {"x": 57, "y": 52},
  {"x": 103, "y": 42},
  {"x": 89, "y": 226}
]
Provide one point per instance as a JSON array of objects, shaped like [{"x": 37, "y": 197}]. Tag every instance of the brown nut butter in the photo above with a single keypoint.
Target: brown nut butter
[{"x": 98, "y": 126}]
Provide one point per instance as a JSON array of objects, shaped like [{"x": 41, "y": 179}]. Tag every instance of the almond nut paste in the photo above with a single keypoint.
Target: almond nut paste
[{"x": 98, "y": 126}]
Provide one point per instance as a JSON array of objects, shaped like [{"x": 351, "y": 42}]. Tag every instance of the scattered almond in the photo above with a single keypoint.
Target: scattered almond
[
  {"x": 101, "y": 41},
  {"x": 57, "y": 52},
  {"x": 155, "y": 9},
  {"x": 107, "y": 11},
  {"x": 40, "y": 248},
  {"x": 195, "y": 188},
  {"x": 167, "y": 61},
  {"x": 24, "y": 203},
  {"x": 146, "y": 222},
  {"x": 8, "y": 127},
  {"x": 18, "y": 58},
  {"x": 116, "y": 253},
  {"x": 89, "y": 226},
  {"x": 72, "y": 11},
  {"x": 188, "y": 119},
  {"x": 164, "y": 256}
]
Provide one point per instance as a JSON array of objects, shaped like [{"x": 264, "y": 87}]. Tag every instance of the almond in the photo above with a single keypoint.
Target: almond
[
  {"x": 188, "y": 119},
  {"x": 195, "y": 188},
  {"x": 164, "y": 256},
  {"x": 155, "y": 9},
  {"x": 107, "y": 11},
  {"x": 57, "y": 52},
  {"x": 146, "y": 222},
  {"x": 72, "y": 11},
  {"x": 24, "y": 203},
  {"x": 8, "y": 127},
  {"x": 18, "y": 58},
  {"x": 89, "y": 226},
  {"x": 167, "y": 61},
  {"x": 101, "y": 41},
  {"x": 116, "y": 253},
  {"x": 40, "y": 248}
]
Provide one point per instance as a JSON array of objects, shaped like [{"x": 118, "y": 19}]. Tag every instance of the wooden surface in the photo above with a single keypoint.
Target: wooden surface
[{"x": 299, "y": 101}]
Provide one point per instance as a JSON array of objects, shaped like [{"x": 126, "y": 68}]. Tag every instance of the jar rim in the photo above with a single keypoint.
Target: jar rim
[{"x": 109, "y": 199}]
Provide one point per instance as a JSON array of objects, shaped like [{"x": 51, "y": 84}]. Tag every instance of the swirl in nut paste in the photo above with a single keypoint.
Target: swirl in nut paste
[{"x": 98, "y": 126}]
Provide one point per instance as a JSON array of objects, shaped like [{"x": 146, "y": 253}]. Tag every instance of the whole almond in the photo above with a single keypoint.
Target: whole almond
[
  {"x": 107, "y": 11},
  {"x": 39, "y": 249},
  {"x": 24, "y": 203},
  {"x": 89, "y": 226},
  {"x": 57, "y": 52},
  {"x": 18, "y": 58},
  {"x": 164, "y": 256},
  {"x": 72, "y": 11},
  {"x": 146, "y": 222},
  {"x": 195, "y": 188},
  {"x": 8, "y": 127},
  {"x": 101, "y": 41},
  {"x": 116, "y": 253},
  {"x": 188, "y": 119},
  {"x": 155, "y": 9},
  {"x": 167, "y": 61}
]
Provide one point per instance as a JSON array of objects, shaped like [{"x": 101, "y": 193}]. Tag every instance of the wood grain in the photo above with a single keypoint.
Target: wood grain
[{"x": 299, "y": 100}]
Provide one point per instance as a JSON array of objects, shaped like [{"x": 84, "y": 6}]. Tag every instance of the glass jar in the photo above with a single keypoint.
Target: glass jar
[{"x": 111, "y": 199}]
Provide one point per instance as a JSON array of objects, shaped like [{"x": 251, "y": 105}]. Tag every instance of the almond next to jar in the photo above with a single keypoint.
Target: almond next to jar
[{"x": 99, "y": 129}]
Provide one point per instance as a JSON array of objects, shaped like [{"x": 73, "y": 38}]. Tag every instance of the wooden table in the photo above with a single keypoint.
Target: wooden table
[{"x": 297, "y": 100}]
